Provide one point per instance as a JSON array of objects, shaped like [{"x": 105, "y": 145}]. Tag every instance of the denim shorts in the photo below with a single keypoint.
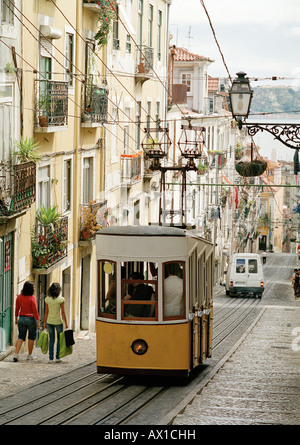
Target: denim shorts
[{"x": 27, "y": 324}]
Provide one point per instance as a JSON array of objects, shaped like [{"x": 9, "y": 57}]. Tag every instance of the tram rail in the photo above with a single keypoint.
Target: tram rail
[{"x": 107, "y": 399}]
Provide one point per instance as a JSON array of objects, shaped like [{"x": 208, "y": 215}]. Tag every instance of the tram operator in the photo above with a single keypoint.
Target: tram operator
[{"x": 139, "y": 291}]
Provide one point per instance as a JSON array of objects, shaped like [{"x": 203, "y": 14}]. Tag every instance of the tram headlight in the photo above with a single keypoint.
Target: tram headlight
[{"x": 139, "y": 346}]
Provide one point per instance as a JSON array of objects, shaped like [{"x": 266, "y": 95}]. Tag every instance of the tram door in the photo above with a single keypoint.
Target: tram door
[{"x": 6, "y": 254}]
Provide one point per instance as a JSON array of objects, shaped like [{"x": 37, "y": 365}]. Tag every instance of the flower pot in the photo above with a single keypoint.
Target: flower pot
[
  {"x": 85, "y": 234},
  {"x": 253, "y": 168},
  {"x": 43, "y": 121}
]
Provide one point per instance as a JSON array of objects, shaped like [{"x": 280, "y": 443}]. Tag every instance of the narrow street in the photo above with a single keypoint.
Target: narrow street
[{"x": 258, "y": 326}]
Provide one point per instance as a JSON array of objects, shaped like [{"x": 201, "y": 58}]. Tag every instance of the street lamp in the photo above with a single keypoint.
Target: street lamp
[{"x": 240, "y": 97}]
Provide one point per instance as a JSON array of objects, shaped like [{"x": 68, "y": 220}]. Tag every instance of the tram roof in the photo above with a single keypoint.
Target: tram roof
[{"x": 144, "y": 231}]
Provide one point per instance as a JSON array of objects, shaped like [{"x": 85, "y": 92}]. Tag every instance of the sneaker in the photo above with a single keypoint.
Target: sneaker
[
  {"x": 50, "y": 361},
  {"x": 30, "y": 357},
  {"x": 58, "y": 360},
  {"x": 16, "y": 357}
]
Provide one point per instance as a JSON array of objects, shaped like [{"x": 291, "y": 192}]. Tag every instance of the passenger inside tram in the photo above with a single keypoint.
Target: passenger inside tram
[
  {"x": 173, "y": 290},
  {"x": 138, "y": 291}
]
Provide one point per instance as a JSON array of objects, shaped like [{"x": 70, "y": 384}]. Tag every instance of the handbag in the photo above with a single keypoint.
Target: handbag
[
  {"x": 43, "y": 342},
  {"x": 69, "y": 337},
  {"x": 64, "y": 350}
]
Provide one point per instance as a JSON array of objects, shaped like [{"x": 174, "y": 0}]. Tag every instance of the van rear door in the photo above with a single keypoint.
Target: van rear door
[
  {"x": 240, "y": 272},
  {"x": 253, "y": 276}
]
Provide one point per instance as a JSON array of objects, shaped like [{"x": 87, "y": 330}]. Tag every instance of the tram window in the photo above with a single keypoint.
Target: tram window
[
  {"x": 240, "y": 265},
  {"x": 141, "y": 287},
  {"x": 252, "y": 266},
  {"x": 173, "y": 289},
  {"x": 107, "y": 289}
]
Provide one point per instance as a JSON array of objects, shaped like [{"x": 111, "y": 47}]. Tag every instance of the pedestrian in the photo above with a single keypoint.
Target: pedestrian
[
  {"x": 53, "y": 319},
  {"x": 27, "y": 318},
  {"x": 296, "y": 284}
]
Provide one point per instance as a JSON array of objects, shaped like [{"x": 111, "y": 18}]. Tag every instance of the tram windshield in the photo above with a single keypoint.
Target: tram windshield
[
  {"x": 139, "y": 299},
  {"x": 138, "y": 290}
]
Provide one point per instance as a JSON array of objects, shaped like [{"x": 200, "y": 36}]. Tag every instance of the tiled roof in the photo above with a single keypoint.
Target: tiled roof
[{"x": 183, "y": 55}]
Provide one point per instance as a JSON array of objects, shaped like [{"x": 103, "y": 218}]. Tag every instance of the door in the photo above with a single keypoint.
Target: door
[
  {"x": 253, "y": 273},
  {"x": 85, "y": 293},
  {"x": 6, "y": 267}
]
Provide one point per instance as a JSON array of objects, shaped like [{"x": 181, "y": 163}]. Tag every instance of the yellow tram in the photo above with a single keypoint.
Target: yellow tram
[{"x": 155, "y": 308}]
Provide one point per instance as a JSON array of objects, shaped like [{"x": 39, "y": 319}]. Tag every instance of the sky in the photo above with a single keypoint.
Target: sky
[{"x": 259, "y": 37}]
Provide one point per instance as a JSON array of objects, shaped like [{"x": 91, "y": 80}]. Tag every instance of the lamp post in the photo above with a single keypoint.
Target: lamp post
[{"x": 240, "y": 96}]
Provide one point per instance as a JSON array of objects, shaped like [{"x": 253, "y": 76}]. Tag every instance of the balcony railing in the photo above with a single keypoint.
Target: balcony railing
[
  {"x": 131, "y": 167},
  {"x": 50, "y": 244},
  {"x": 51, "y": 105},
  {"x": 95, "y": 101},
  {"x": 17, "y": 187},
  {"x": 144, "y": 66}
]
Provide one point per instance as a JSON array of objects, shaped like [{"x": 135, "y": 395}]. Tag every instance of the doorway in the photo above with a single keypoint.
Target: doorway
[
  {"x": 85, "y": 293},
  {"x": 6, "y": 271}
]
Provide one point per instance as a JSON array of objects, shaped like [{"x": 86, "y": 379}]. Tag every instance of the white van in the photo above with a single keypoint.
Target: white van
[{"x": 245, "y": 275}]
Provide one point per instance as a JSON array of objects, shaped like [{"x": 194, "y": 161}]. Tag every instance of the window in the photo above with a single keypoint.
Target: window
[
  {"x": 150, "y": 25},
  {"x": 240, "y": 265},
  {"x": 157, "y": 119},
  {"x": 173, "y": 289},
  {"x": 140, "y": 22},
  {"x": 139, "y": 290},
  {"x": 44, "y": 186},
  {"x": 87, "y": 180},
  {"x": 107, "y": 289},
  {"x": 70, "y": 58},
  {"x": 159, "y": 35},
  {"x": 116, "y": 41},
  {"x": 128, "y": 43},
  {"x": 186, "y": 79},
  {"x": 67, "y": 186},
  {"x": 7, "y": 12},
  {"x": 148, "y": 116},
  {"x": 252, "y": 266},
  {"x": 138, "y": 127}
]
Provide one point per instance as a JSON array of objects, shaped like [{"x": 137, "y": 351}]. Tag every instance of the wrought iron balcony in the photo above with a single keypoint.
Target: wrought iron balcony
[
  {"x": 92, "y": 5},
  {"x": 17, "y": 187},
  {"x": 131, "y": 167},
  {"x": 144, "y": 66},
  {"x": 51, "y": 106},
  {"x": 49, "y": 245},
  {"x": 95, "y": 101}
]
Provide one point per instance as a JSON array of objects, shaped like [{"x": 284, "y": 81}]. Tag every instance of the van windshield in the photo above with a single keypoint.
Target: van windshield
[
  {"x": 252, "y": 266},
  {"x": 240, "y": 265}
]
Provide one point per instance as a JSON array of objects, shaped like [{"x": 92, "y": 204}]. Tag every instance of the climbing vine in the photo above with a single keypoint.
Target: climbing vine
[{"x": 107, "y": 14}]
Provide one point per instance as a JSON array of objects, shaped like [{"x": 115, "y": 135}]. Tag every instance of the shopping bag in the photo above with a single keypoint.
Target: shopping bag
[
  {"x": 64, "y": 350},
  {"x": 69, "y": 337},
  {"x": 43, "y": 342}
]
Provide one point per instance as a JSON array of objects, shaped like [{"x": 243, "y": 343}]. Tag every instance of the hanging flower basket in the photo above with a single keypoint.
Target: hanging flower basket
[{"x": 252, "y": 168}]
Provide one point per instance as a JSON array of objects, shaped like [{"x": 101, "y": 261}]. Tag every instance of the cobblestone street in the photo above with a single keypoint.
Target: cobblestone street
[{"x": 260, "y": 383}]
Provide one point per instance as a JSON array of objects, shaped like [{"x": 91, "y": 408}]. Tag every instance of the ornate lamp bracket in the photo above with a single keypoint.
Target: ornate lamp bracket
[{"x": 287, "y": 134}]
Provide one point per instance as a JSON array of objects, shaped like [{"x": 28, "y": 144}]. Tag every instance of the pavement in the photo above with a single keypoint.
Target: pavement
[{"x": 16, "y": 376}]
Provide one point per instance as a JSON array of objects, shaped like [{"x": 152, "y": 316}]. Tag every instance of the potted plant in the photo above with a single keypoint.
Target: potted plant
[
  {"x": 202, "y": 168},
  {"x": 43, "y": 107},
  {"x": 251, "y": 168},
  {"x": 89, "y": 223},
  {"x": 26, "y": 150},
  {"x": 47, "y": 216}
]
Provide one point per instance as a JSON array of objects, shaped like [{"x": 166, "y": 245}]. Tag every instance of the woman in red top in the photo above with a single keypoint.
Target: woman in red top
[{"x": 27, "y": 318}]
